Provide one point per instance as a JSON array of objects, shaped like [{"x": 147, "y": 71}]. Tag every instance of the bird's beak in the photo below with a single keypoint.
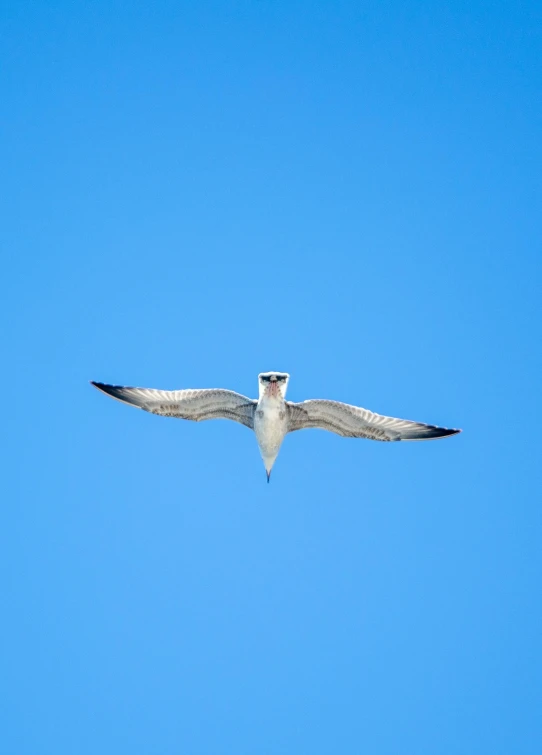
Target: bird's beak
[{"x": 274, "y": 389}]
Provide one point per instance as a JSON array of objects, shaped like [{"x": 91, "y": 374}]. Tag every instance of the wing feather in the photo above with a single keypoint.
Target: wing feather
[
  {"x": 355, "y": 422},
  {"x": 197, "y": 405}
]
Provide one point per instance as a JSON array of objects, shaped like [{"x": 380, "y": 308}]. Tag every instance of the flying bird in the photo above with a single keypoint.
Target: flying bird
[{"x": 271, "y": 416}]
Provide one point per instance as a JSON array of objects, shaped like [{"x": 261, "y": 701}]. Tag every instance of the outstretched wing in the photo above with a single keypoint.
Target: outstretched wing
[
  {"x": 197, "y": 405},
  {"x": 355, "y": 422}
]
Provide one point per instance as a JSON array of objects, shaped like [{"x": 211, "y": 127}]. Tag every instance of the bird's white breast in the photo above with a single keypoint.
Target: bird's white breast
[{"x": 270, "y": 424}]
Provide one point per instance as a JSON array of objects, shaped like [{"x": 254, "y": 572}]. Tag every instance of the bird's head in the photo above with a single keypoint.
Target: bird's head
[{"x": 273, "y": 384}]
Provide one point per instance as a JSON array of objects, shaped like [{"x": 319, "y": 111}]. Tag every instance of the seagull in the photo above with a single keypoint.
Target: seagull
[{"x": 271, "y": 416}]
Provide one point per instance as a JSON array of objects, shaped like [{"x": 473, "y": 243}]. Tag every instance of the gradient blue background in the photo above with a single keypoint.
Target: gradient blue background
[{"x": 192, "y": 194}]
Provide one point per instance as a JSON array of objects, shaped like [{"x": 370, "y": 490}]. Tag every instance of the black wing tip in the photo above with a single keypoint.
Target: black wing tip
[
  {"x": 116, "y": 391},
  {"x": 444, "y": 432},
  {"x": 102, "y": 386},
  {"x": 430, "y": 432}
]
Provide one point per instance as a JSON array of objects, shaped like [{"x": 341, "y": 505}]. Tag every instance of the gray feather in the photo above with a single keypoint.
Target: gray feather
[
  {"x": 196, "y": 405},
  {"x": 355, "y": 422}
]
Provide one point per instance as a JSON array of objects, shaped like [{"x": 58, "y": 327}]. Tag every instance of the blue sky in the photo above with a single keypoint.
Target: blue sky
[{"x": 192, "y": 194}]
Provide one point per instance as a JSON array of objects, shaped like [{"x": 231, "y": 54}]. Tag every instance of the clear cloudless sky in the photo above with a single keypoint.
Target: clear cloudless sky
[{"x": 195, "y": 192}]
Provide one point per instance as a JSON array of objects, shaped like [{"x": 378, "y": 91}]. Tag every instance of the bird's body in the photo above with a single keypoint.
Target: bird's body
[
  {"x": 270, "y": 419},
  {"x": 271, "y": 416}
]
